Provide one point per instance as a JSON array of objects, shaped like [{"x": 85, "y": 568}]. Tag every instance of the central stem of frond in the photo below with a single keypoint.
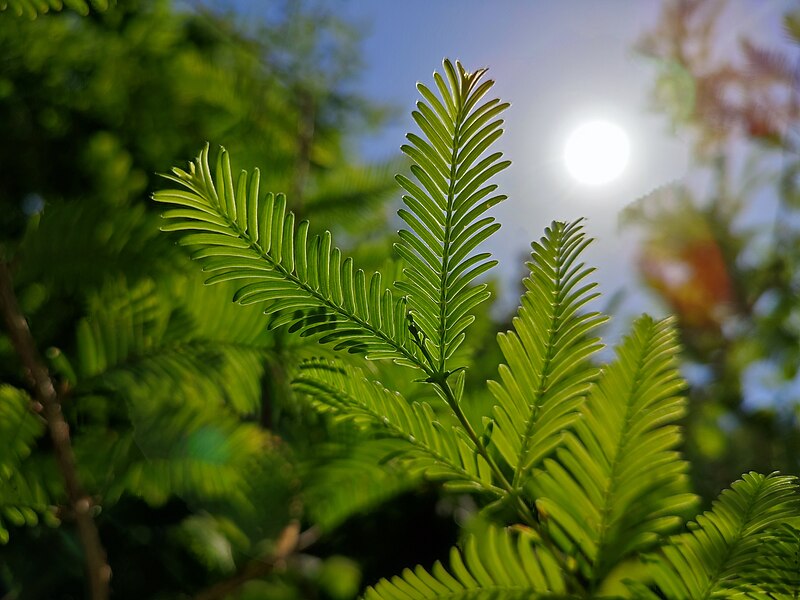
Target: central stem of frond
[{"x": 451, "y": 193}]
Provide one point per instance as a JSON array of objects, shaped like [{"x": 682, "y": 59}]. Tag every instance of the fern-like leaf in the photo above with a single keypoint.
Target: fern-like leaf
[
  {"x": 341, "y": 485},
  {"x": 720, "y": 554},
  {"x": 19, "y": 428},
  {"x": 23, "y": 500},
  {"x": 74, "y": 234},
  {"x": 302, "y": 282},
  {"x": 183, "y": 380},
  {"x": 436, "y": 449},
  {"x": 775, "y": 575},
  {"x": 353, "y": 196},
  {"x": 34, "y": 8},
  {"x": 547, "y": 372},
  {"x": 497, "y": 564},
  {"x": 193, "y": 454},
  {"x": 136, "y": 337},
  {"x": 617, "y": 484},
  {"x": 446, "y": 207},
  {"x": 20, "y": 498}
]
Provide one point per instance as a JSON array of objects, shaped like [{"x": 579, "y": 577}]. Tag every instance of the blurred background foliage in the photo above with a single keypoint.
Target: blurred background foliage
[
  {"x": 183, "y": 427},
  {"x": 185, "y": 431},
  {"x": 721, "y": 250}
]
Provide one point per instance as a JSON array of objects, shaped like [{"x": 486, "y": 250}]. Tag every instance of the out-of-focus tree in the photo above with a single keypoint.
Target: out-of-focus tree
[
  {"x": 185, "y": 440},
  {"x": 34, "y": 8},
  {"x": 723, "y": 255}
]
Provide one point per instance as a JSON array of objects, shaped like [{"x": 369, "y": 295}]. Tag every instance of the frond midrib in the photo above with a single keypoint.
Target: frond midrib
[
  {"x": 714, "y": 577},
  {"x": 256, "y": 247},
  {"x": 609, "y": 492},
  {"x": 447, "y": 241},
  {"x": 413, "y": 440},
  {"x": 162, "y": 350},
  {"x": 519, "y": 472}
]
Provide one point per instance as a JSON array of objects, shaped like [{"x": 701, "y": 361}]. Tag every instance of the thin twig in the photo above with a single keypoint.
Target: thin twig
[
  {"x": 98, "y": 571},
  {"x": 289, "y": 542},
  {"x": 529, "y": 517}
]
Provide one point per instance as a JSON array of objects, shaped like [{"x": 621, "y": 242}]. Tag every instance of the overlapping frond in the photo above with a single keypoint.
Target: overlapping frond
[
  {"x": 719, "y": 556},
  {"x": 191, "y": 453},
  {"x": 23, "y": 501},
  {"x": 186, "y": 381},
  {"x": 496, "y": 565},
  {"x": 19, "y": 428},
  {"x": 447, "y": 205},
  {"x": 775, "y": 575},
  {"x": 547, "y": 372},
  {"x": 617, "y": 484},
  {"x": 199, "y": 452},
  {"x": 20, "y": 499},
  {"x": 74, "y": 234},
  {"x": 436, "y": 449},
  {"x": 353, "y": 196},
  {"x": 301, "y": 282},
  {"x": 349, "y": 483},
  {"x": 137, "y": 337},
  {"x": 34, "y": 8}
]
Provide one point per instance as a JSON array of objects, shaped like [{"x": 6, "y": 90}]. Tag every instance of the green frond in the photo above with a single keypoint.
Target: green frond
[
  {"x": 617, "y": 484},
  {"x": 34, "y": 8},
  {"x": 354, "y": 196},
  {"x": 495, "y": 565},
  {"x": 446, "y": 204},
  {"x": 103, "y": 457},
  {"x": 20, "y": 497},
  {"x": 548, "y": 372},
  {"x": 137, "y": 337},
  {"x": 775, "y": 574},
  {"x": 185, "y": 381},
  {"x": 75, "y": 234},
  {"x": 304, "y": 283},
  {"x": 175, "y": 448},
  {"x": 720, "y": 556},
  {"x": 19, "y": 429},
  {"x": 201, "y": 453},
  {"x": 350, "y": 483},
  {"x": 23, "y": 501},
  {"x": 194, "y": 454},
  {"x": 436, "y": 449}
]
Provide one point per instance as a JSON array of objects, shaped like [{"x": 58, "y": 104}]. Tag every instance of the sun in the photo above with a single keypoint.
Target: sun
[{"x": 597, "y": 152}]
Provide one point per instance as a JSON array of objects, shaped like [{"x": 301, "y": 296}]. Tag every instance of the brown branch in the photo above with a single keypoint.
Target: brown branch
[
  {"x": 98, "y": 571},
  {"x": 290, "y": 541}
]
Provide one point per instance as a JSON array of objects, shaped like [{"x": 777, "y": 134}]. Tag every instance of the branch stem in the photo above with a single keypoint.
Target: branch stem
[
  {"x": 290, "y": 541},
  {"x": 97, "y": 568},
  {"x": 524, "y": 511}
]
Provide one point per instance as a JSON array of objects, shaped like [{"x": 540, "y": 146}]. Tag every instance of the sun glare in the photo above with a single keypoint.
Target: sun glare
[{"x": 597, "y": 152}]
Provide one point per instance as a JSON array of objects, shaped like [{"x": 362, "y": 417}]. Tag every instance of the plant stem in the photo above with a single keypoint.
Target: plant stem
[
  {"x": 98, "y": 570},
  {"x": 526, "y": 514},
  {"x": 290, "y": 541},
  {"x": 525, "y": 511}
]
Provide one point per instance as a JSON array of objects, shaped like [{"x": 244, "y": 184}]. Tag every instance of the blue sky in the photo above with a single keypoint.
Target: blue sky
[{"x": 559, "y": 64}]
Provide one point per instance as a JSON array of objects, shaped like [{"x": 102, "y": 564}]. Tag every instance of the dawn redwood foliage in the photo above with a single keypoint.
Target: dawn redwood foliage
[
  {"x": 167, "y": 390},
  {"x": 576, "y": 470}
]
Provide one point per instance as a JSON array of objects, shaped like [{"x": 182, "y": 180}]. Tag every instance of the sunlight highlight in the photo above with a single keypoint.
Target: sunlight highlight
[{"x": 597, "y": 152}]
